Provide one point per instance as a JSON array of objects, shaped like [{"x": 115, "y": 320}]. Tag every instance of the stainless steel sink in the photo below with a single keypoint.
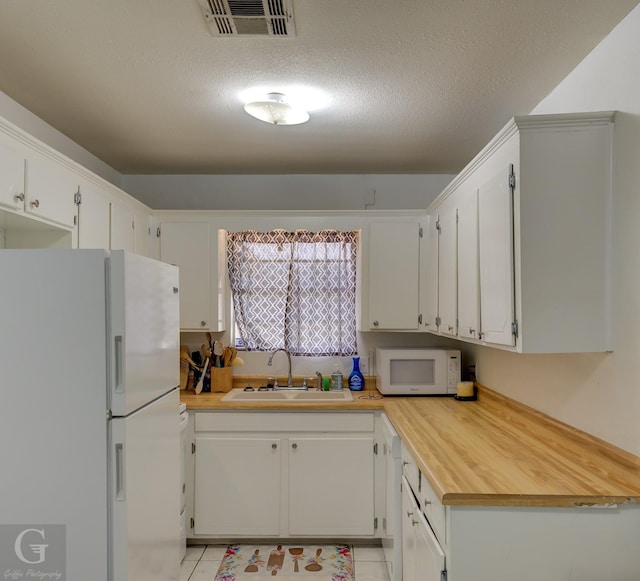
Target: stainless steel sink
[{"x": 238, "y": 394}]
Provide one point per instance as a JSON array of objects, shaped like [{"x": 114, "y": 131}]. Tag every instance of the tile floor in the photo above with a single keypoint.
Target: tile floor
[{"x": 201, "y": 563}]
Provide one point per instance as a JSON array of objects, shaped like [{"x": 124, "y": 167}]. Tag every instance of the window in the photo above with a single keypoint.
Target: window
[{"x": 295, "y": 290}]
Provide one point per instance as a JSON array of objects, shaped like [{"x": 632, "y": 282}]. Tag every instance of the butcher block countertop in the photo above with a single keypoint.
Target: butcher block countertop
[{"x": 490, "y": 452}]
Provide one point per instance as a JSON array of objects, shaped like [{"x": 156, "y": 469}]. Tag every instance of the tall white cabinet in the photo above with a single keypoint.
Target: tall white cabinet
[{"x": 533, "y": 256}]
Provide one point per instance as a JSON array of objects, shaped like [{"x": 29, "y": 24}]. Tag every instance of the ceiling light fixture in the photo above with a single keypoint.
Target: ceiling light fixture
[{"x": 275, "y": 109}]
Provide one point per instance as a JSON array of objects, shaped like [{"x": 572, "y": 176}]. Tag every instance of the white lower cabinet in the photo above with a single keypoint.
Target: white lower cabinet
[
  {"x": 284, "y": 474},
  {"x": 423, "y": 559},
  {"x": 503, "y": 543},
  {"x": 237, "y": 486},
  {"x": 319, "y": 469}
]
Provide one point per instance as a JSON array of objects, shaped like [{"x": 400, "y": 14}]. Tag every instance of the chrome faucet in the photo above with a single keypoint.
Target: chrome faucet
[{"x": 289, "y": 377}]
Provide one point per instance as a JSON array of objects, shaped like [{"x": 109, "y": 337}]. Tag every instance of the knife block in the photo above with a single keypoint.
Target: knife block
[{"x": 221, "y": 379}]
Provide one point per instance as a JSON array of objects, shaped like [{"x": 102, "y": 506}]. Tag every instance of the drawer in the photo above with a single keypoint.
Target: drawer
[
  {"x": 433, "y": 509},
  {"x": 297, "y": 421},
  {"x": 410, "y": 469}
]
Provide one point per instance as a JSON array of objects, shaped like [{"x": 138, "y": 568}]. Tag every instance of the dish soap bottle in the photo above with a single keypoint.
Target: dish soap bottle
[
  {"x": 356, "y": 379},
  {"x": 336, "y": 377}
]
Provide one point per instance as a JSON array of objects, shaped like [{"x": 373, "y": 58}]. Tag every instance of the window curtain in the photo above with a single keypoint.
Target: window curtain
[{"x": 295, "y": 290}]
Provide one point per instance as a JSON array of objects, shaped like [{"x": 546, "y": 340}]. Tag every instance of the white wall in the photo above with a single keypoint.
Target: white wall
[
  {"x": 286, "y": 192},
  {"x": 598, "y": 393}
]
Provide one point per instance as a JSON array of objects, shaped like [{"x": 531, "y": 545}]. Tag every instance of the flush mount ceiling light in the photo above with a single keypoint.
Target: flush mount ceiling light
[{"x": 275, "y": 109}]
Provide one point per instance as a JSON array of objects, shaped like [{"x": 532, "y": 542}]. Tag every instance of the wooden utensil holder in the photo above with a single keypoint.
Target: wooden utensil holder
[{"x": 221, "y": 379}]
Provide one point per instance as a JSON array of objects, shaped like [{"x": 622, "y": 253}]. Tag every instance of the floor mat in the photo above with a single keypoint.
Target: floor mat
[{"x": 287, "y": 563}]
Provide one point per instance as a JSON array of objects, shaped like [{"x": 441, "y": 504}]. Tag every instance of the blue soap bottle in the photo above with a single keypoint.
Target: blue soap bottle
[{"x": 356, "y": 379}]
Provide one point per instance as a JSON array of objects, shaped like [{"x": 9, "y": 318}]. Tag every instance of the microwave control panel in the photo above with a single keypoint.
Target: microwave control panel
[{"x": 453, "y": 375}]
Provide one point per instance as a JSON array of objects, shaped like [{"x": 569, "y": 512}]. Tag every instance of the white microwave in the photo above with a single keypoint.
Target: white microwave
[{"x": 417, "y": 371}]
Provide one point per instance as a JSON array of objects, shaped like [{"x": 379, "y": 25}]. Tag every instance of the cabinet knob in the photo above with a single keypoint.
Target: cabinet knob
[
  {"x": 294, "y": 446},
  {"x": 427, "y": 502},
  {"x": 36, "y": 203},
  {"x": 274, "y": 446},
  {"x": 414, "y": 522},
  {"x": 19, "y": 197},
  {"x": 375, "y": 323},
  {"x": 203, "y": 323}
]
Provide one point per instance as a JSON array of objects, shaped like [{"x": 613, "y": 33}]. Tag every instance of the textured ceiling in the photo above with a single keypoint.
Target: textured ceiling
[{"x": 413, "y": 85}]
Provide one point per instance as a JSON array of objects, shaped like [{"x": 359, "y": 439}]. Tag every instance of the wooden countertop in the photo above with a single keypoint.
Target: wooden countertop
[{"x": 490, "y": 452}]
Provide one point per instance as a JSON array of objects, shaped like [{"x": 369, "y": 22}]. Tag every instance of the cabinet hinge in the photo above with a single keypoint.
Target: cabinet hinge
[
  {"x": 75, "y": 220},
  {"x": 438, "y": 320},
  {"x": 158, "y": 232},
  {"x": 77, "y": 198},
  {"x": 420, "y": 319},
  {"x": 149, "y": 230},
  {"x": 514, "y": 329},
  {"x": 193, "y": 523},
  {"x": 375, "y": 523},
  {"x": 375, "y": 448},
  {"x": 438, "y": 224},
  {"x": 193, "y": 447},
  {"x": 133, "y": 225},
  {"x": 384, "y": 523},
  {"x": 512, "y": 177},
  {"x": 443, "y": 575},
  {"x": 420, "y": 232}
]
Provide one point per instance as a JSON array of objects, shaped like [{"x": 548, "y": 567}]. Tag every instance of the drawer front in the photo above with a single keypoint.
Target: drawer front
[
  {"x": 433, "y": 509},
  {"x": 284, "y": 422},
  {"x": 410, "y": 469}
]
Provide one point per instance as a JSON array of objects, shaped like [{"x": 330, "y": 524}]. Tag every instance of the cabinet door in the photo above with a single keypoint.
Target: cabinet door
[
  {"x": 495, "y": 236},
  {"x": 431, "y": 267},
  {"x": 429, "y": 557},
  {"x": 394, "y": 262},
  {"x": 188, "y": 246},
  {"x": 318, "y": 471},
  {"x": 11, "y": 176},
  {"x": 447, "y": 272},
  {"x": 50, "y": 191},
  {"x": 141, "y": 222},
  {"x": 409, "y": 521},
  {"x": 93, "y": 218},
  {"x": 122, "y": 227},
  {"x": 468, "y": 271},
  {"x": 237, "y": 486}
]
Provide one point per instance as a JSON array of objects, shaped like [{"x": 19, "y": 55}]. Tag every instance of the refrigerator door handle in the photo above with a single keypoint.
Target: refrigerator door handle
[
  {"x": 119, "y": 354},
  {"x": 120, "y": 491}
]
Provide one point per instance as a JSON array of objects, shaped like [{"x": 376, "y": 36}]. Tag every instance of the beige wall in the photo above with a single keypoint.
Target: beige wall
[{"x": 598, "y": 393}]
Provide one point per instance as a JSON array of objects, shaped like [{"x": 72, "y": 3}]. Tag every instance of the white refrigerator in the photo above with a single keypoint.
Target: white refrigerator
[{"x": 89, "y": 412}]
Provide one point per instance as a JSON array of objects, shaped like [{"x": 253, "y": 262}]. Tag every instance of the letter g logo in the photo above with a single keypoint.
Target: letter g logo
[{"x": 37, "y": 550}]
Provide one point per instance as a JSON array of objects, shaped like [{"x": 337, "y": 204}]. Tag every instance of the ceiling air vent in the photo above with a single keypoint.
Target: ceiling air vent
[{"x": 249, "y": 17}]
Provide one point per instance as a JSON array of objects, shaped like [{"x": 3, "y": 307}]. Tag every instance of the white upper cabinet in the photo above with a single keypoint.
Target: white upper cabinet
[
  {"x": 394, "y": 275},
  {"x": 430, "y": 267},
  {"x": 447, "y": 270},
  {"x": 468, "y": 273},
  {"x": 35, "y": 185},
  {"x": 495, "y": 238},
  {"x": 50, "y": 190},
  {"x": 190, "y": 246},
  {"x": 11, "y": 175},
  {"x": 534, "y": 236},
  {"x": 93, "y": 217},
  {"x": 123, "y": 235}
]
